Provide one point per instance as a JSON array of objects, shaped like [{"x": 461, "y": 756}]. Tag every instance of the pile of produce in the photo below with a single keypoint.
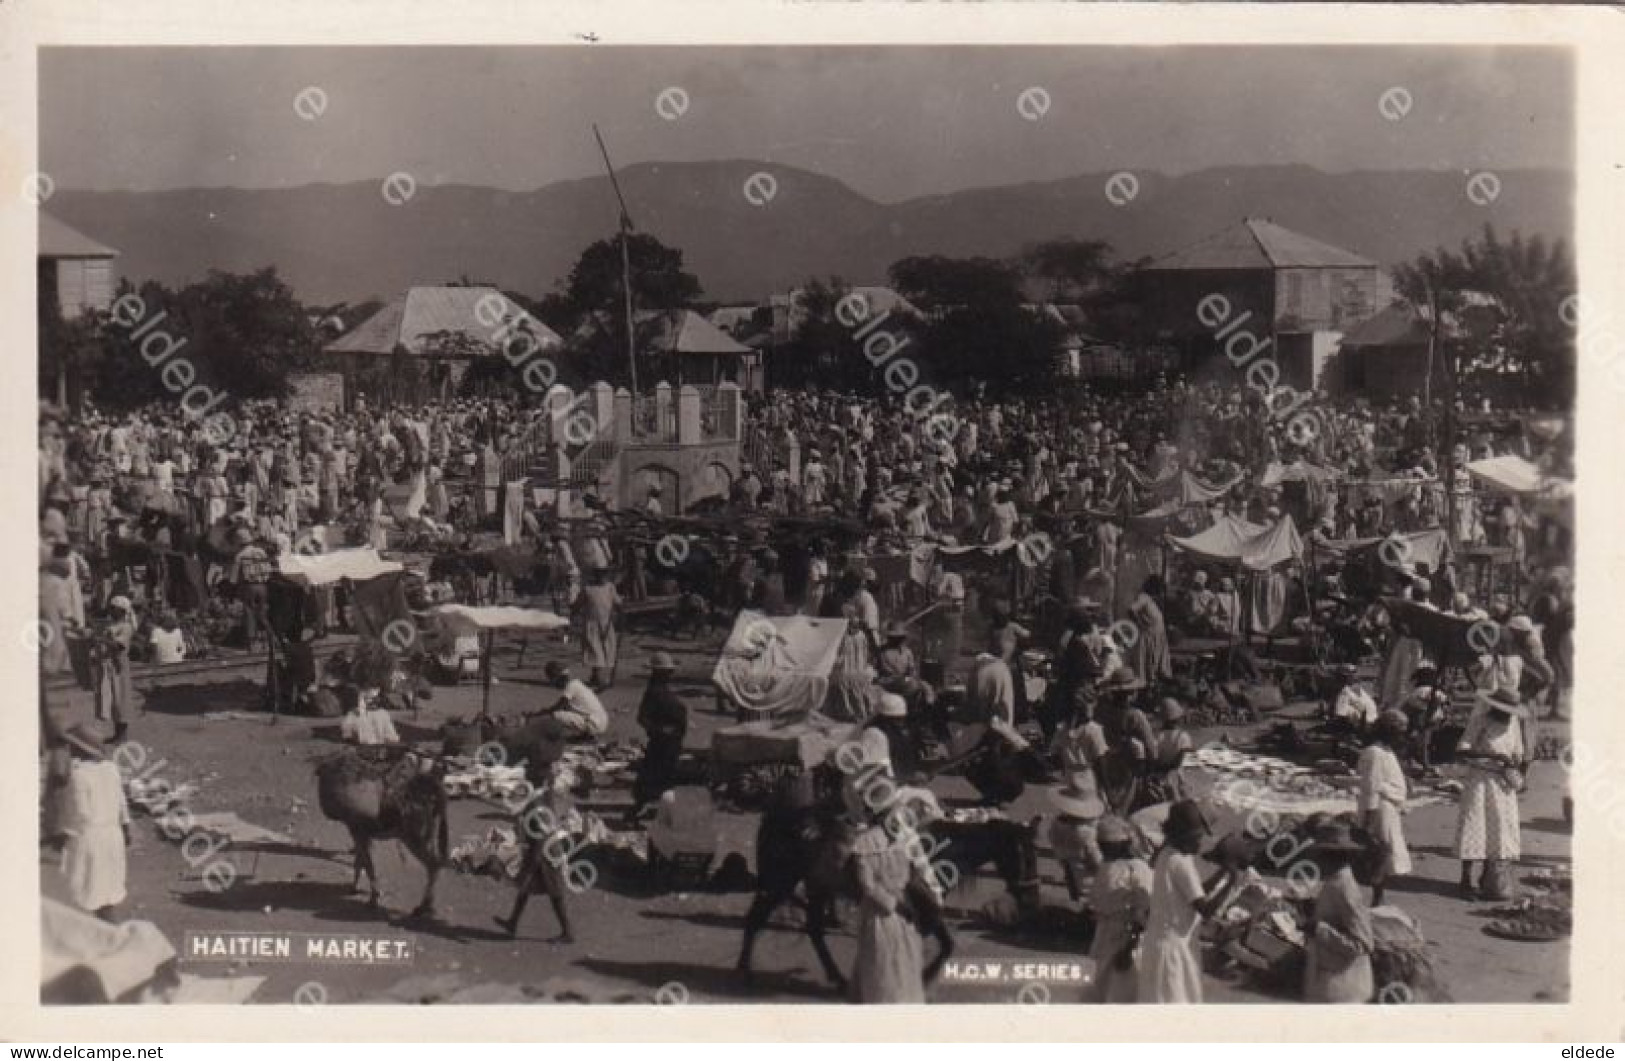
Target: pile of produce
[{"x": 1545, "y": 917}]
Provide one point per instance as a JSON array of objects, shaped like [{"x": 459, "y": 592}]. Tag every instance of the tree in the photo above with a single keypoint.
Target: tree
[
  {"x": 1497, "y": 305},
  {"x": 938, "y": 284},
  {"x": 1074, "y": 268},
  {"x": 658, "y": 279},
  {"x": 822, "y": 349},
  {"x": 978, "y": 326}
]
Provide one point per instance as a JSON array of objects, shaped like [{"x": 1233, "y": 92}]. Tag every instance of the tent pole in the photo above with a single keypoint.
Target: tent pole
[{"x": 485, "y": 695}]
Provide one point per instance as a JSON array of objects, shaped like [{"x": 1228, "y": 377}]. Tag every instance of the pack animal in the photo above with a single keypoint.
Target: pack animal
[{"x": 388, "y": 799}]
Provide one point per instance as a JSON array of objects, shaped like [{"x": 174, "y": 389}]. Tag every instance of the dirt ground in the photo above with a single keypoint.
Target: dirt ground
[{"x": 629, "y": 939}]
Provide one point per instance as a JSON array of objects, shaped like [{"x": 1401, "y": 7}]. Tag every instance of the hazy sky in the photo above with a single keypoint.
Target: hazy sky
[{"x": 892, "y": 123}]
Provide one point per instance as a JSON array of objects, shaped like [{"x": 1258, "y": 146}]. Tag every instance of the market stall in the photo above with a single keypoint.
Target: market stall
[{"x": 460, "y": 620}]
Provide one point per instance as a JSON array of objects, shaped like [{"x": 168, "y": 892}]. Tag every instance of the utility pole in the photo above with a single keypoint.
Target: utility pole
[{"x": 626, "y": 262}]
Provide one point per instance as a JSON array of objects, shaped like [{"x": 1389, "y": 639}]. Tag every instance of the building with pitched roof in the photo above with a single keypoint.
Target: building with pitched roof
[
  {"x": 678, "y": 346},
  {"x": 74, "y": 271},
  {"x": 1286, "y": 292},
  {"x": 446, "y": 322}
]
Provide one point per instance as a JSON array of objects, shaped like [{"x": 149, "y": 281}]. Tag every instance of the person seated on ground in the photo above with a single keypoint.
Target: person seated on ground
[
  {"x": 897, "y": 670},
  {"x": 1169, "y": 748},
  {"x": 366, "y": 721},
  {"x": 1200, "y": 603},
  {"x": 579, "y": 712},
  {"x": 1424, "y": 711},
  {"x": 167, "y": 639},
  {"x": 891, "y": 718},
  {"x": 1353, "y": 707}
]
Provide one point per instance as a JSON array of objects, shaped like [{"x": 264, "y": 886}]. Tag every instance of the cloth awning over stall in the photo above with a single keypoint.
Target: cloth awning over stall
[
  {"x": 1276, "y": 473},
  {"x": 1512, "y": 474},
  {"x": 1187, "y": 489},
  {"x": 775, "y": 665},
  {"x": 1428, "y": 547},
  {"x": 1255, "y": 547},
  {"x": 320, "y": 569},
  {"x": 462, "y": 619}
]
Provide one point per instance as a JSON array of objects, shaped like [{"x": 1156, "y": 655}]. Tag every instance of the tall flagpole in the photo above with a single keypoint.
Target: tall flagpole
[{"x": 626, "y": 261}]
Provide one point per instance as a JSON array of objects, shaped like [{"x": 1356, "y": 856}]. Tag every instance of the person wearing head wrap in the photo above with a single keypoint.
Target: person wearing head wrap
[
  {"x": 599, "y": 606},
  {"x": 115, "y": 692},
  {"x": 664, "y": 718},
  {"x": 889, "y": 967},
  {"x": 1121, "y": 900},
  {"x": 1382, "y": 794}
]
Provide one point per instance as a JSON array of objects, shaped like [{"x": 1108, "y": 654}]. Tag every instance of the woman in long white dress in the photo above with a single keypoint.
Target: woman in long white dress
[
  {"x": 890, "y": 962},
  {"x": 1383, "y": 791},
  {"x": 94, "y": 820},
  {"x": 1487, "y": 828},
  {"x": 1170, "y": 963}
]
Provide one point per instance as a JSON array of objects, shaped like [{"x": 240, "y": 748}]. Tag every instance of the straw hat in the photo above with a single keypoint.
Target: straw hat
[
  {"x": 1113, "y": 830},
  {"x": 662, "y": 663},
  {"x": 1081, "y": 799},
  {"x": 896, "y": 632},
  {"x": 891, "y": 706},
  {"x": 1171, "y": 710},
  {"x": 84, "y": 737},
  {"x": 1185, "y": 818},
  {"x": 1337, "y": 835}
]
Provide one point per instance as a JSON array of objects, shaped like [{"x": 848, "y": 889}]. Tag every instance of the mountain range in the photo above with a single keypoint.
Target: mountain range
[{"x": 346, "y": 242}]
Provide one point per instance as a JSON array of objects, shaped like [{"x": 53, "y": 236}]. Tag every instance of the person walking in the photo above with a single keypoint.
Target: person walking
[
  {"x": 544, "y": 842},
  {"x": 600, "y": 642}
]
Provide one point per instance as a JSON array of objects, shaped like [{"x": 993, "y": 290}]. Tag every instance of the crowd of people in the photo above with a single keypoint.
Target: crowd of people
[{"x": 970, "y": 556}]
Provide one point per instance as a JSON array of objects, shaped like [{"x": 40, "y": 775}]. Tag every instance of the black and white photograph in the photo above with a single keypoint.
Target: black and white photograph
[{"x": 1032, "y": 525}]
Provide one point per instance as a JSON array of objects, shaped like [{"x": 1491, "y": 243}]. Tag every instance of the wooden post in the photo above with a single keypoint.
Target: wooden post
[{"x": 485, "y": 692}]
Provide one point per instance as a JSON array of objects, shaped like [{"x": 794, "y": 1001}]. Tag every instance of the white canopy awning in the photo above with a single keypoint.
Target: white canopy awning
[
  {"x": 321, "y": 569},
  {"x": 1512, "y": 474},
  {"x": 462, "y": 619}
]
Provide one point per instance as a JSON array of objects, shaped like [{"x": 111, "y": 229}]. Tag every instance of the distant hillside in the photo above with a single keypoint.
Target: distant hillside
[{"x": 345, "y": 242}]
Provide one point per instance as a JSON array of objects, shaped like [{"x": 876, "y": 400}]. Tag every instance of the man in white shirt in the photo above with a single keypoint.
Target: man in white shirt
[{"x": 579, "y": 711}]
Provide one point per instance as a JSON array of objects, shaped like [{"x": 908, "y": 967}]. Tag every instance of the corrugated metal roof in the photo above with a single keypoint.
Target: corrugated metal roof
[
  {"x": 424, "y": 311},
  {"x": 1257, "y": 243},
  {"x": 57, "y": 239},
  {"x": 677, "y": 331},
  {"x": 1398, "y": 325}
]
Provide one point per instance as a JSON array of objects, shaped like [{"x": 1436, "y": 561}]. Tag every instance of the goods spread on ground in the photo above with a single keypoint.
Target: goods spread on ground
[{"x": 1541, "y": 918}]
